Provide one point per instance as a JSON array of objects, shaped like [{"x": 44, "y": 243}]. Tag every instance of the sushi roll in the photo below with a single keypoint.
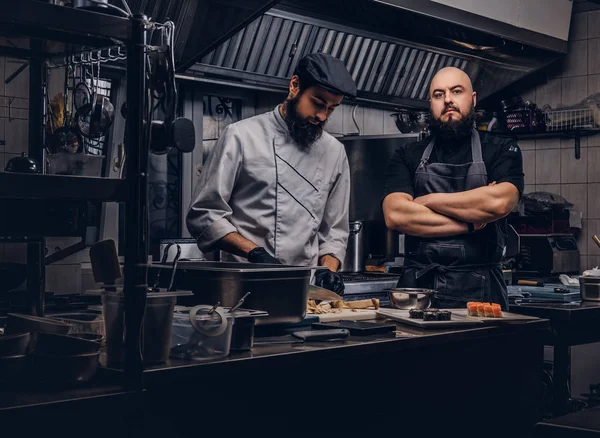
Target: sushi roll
[
  {"x": 497, "y": 310},
  {"x": 472, "y": 308},
  {"x": 415, "y": 314},
  {"x": 487, "y": 310},
  {"x": 480, "y": 309},
  {"x": 444, "y": 315},
  {"x": 430, "y": 315}
]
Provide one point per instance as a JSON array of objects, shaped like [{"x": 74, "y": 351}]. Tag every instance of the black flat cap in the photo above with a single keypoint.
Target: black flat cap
[{"x": 328, "y": 72}]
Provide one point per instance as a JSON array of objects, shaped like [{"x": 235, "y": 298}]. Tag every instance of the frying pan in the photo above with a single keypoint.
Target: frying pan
[{"x": 96, "y": 117}]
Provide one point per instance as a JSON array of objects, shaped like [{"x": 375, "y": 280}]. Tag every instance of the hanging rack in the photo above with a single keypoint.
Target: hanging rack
[{"x": 87, "y": 57}]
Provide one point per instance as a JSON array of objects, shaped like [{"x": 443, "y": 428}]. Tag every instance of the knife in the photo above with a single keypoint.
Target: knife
[{"x": 319, "y": 293}]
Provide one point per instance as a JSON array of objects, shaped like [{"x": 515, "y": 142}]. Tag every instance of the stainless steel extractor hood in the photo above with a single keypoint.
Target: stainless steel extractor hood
[
  {"x": 391, "y": 47},
  {"x": 200, "y": 25}
]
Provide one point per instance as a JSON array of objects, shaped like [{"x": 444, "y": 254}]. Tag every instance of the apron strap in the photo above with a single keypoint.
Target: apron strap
[
  {"x": 439, "y": 268},
  {"x": 476, "y": 147}
]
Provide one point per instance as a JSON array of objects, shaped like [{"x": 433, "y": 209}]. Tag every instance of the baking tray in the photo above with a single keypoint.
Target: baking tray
[{"x": 456, "y": 321}]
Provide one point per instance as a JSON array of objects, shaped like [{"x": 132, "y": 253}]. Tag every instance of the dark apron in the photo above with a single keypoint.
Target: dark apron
[{"x": 459, "y": 268}]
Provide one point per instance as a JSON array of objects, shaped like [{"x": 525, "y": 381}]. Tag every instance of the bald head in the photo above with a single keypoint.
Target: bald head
[
  {"x": 451, "y": 95},
  {"x": 451, "y": 75}
]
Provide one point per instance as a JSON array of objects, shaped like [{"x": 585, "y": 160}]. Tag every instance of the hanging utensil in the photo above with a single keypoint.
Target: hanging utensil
[
  {"x": 163, "y": 261},
  {"x": 66, "y": 139},
  {"x": 95, "y": 118},
  {"x": 81, "y": 92}
]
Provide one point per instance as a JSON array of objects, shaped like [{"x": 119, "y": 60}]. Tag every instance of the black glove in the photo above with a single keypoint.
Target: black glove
[
  {"x": 330, "y": 280},
  {"x": 260, "y": 255}
]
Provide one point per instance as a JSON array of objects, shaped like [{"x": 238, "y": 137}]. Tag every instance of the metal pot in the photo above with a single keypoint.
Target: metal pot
[
  {"x": 589, "y": 287},
  {"x": 355, "y": 251},
  {"x": 405, "y": 121},
  {"x": 23, "y": 164}
]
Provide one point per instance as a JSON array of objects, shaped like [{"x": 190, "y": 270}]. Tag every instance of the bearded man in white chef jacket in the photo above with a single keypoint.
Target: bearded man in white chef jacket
[{"x": 276, "y": 187}]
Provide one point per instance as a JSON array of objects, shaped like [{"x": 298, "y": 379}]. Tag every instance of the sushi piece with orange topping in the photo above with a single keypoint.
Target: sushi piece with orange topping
[
  {"x": 497, "y": 310},
  {"x": 472, "y": 308},
  {"x": 487, "y": 310},
  {"x": 480, "y": 309}
]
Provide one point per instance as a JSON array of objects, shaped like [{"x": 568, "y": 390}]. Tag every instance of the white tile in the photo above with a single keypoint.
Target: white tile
[
  {"x": 593, "y": 23},
  {"x": 593, "y": 228},
  {"x": 16, "y": 135},
  {"x": 577, "y": 195},
  {"x": 594, "y": 86},
  {"x": 550, "y": 188},
  {"x": 579, "y": 26},
  {"x": 2, "y": 77},
  {"x": 581, "y": 238},
  {"x": 389, "y": 123},
  {"x": 547, "y": 143},
  {"x": 549, "y": 93},
  {"x": 63, "y": 279},
  {"x": 527, "y": 145},
  {"x": 529, "y": 166},
  {"x": 593, "y": 162},
  {"x": 55, "y": 244},
  {"x": 574, "y": 90},
  {"x": 593, "y": 56},
  {"x": 571, "y": 169},
  {"x": 547, "y": 166},
  {"x": 334, "y": 124},
  {"x": 569, "y": 143},
  {"x": 529, "y": 188},
  {"x": 19, "y": 86},
  {"x": 372, "y": 121},
  {"x": 529, "y": 95},
  {"x": 592, "y": 262},
  {"x": 348, "y": 123},
  {"x": 593, "y": 211},
  {"x": 577, "y": 59}
]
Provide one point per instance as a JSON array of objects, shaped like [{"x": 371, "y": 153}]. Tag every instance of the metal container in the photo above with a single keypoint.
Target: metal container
[
  {"x": 410, "y": 298},
  {"x": 589, "y": 287},
  {"x": 355, "y": 251},
  {"x": 158, "y": 319},
  {"x": 282, "y": 291}
]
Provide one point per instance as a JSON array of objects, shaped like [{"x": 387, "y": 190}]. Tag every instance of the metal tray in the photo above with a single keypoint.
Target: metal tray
[
  {"x": 402, "y": 316},
  {"x": 282, "y": 291}
]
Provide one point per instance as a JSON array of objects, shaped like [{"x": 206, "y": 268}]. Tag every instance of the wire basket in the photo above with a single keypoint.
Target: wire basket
[{"x": 573, "y": 119}]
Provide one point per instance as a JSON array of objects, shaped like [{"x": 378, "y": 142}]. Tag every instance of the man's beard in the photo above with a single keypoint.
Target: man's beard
[
  {"x": 301, "y": 130},
  {"x": 454, "y": 129}
]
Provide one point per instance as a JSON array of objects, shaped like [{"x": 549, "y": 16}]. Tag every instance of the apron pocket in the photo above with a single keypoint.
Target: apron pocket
[{"x": 455, "y": 289}]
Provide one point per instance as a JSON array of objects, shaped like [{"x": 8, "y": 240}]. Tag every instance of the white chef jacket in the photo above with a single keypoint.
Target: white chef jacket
[{"x": 257, "y": 181}]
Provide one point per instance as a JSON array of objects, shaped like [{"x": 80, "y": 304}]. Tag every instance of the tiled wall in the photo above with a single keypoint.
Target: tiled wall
[{"x": 550, "y": 164}]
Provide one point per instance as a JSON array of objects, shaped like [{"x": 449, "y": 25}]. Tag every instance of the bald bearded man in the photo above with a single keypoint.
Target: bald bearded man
[{"x": 450, "y": 194}]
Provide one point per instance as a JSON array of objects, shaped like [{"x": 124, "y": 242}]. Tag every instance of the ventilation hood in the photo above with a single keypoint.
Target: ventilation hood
[
  {"x": 200, "y": 25},
  {"x": 391, "y": 47}
]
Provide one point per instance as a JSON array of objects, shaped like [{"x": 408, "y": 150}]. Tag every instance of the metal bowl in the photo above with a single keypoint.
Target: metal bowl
[
  {"x": 410, "y": 298},
  {"x": 589, "y": 287}
]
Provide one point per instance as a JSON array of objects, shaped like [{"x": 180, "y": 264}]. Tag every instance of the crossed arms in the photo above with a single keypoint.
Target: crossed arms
[{"x": 448, "y": 214}]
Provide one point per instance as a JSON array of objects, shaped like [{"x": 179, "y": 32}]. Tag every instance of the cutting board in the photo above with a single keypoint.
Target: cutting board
[
  {"x": 507, "y": 317},
  {"x": 348, "y": 315},
  {"x": 402, "y": 316}
]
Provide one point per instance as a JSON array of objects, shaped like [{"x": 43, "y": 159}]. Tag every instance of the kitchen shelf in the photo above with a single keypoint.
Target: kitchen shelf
[
  {"x": 36, "y": 19},
  {"x": 61, "y": 187},
  {"x": 574, "y": 133}
]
